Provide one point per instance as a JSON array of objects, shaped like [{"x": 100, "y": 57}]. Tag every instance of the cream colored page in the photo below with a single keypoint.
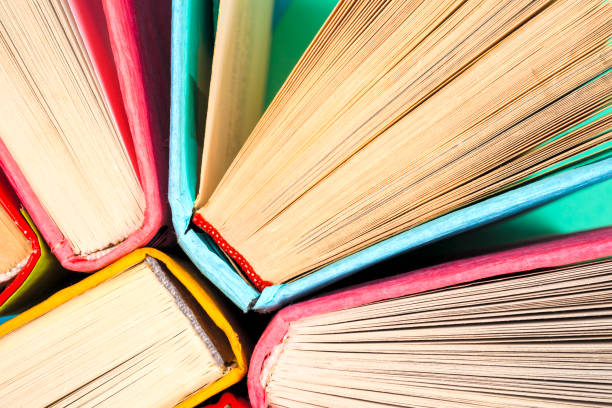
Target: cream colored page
[
  {"x": 123, "y": 343},
  {"x": 237, "y": 88},
  {"x": 14, "y": 247},
  {"x": 401, "y": 112}
]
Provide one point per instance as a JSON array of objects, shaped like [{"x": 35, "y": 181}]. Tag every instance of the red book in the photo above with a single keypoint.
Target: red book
[{"x": 37, "y": 275}]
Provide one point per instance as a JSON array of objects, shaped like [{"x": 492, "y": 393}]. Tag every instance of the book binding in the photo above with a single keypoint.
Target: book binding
[
  {"x": 111, "y": 34},
  {"x": 243, "y": 264},
  {"x": 229, "y": 401},
  {"x": 40, "y": 271},
  {"x": 191, "y": 58}
]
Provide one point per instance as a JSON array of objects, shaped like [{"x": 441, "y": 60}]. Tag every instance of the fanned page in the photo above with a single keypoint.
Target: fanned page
[
  {"x": 61, "y": 145},
  {"x": 400, "y": 112},
  {"x": 237, "y": 85},
  {"x": 539, "y": 339},
  {"x": 136, "y": 339}
]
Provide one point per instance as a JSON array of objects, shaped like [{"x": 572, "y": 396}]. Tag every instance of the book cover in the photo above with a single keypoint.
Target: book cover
[
  {"x": 41, "y": 272},
  {"x": 191, "y": 56},
  {"x": 192, "y": 43},
  {"x": 228, "y": 400}
]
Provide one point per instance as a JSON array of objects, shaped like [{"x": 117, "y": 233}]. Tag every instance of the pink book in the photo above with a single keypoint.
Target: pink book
[
  {"x": 128, "y": 43},
  {"x": 277, "y": 345}
]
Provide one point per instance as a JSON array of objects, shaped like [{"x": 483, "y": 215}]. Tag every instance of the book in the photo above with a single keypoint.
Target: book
[
  {"x": 529, "y": 326},
  {"x": 143, "y": 332},
  {"x": 83, "y": 123},
  {"x": 352, "y": 136},
  {"x": 28, "y": 272},
  {"x": 239, "y": 277},
  {"x": 228, "y": 400},
  {"x": 237, "y": 84}
]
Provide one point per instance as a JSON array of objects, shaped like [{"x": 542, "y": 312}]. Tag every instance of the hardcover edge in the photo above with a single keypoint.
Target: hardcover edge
[
  {"x": 154, "y": 212},
  {"x": 217, "y": 270},
  {"x": 228, "y": 400},
  {"x": 10, "y": 204},
  {"x": 41, "y": 270},
  {"x": 35, "y": 281},
  {"x": 492, "y": 209}
]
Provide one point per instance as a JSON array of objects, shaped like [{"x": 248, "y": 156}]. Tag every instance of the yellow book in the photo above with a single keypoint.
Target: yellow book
[{"x": 143, "y": 332}]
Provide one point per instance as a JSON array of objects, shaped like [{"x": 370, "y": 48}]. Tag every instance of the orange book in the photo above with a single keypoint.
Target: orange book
[{"x": 143, "y": 329}]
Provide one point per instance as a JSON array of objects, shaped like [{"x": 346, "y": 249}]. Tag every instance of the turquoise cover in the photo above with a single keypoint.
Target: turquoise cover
[{"x": 295, "y": 25}]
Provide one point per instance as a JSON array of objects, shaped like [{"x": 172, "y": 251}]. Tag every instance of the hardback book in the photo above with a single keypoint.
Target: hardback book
[
  {"x": 525, "y": 327},
  {"x": 28, "y": 272},
  {"x": 85, "y": 87},
  {"x": 143, "y": 332},
  {"x": 401, "y": 124},
  {"x": 228, "y": 400}
]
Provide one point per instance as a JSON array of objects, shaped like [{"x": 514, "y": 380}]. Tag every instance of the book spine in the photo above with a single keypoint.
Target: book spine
[{"x": 243, "y": 264}]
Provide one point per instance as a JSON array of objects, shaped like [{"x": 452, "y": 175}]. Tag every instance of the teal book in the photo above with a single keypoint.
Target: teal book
[{"x": 571, "y": 194}]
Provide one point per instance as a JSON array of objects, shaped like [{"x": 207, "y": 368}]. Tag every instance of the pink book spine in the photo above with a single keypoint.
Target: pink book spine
[
  {"x": 549, "y": 254},
  {"x": 139, "y": 35}
]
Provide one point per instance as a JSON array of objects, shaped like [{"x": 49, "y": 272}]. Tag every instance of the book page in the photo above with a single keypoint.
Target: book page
[
  {"x": 130, "y": 341},
  {"x": 237, "y": 88},
  {"x": 537, "y": 339},
  {"x": 402, "y": 112},
  {"x": 57, "y": 126}
]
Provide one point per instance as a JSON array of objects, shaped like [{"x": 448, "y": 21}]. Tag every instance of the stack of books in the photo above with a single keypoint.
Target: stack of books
[{"x": 443, "y": 167}]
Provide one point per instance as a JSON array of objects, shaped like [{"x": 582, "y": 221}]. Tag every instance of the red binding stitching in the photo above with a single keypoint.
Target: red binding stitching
[{"x": 244, "y": 265}]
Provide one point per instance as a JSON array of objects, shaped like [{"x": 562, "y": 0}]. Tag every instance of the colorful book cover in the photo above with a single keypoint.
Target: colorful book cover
[
  {"x": 128, "y": 44},
  {"x": 192, "y": 43}
]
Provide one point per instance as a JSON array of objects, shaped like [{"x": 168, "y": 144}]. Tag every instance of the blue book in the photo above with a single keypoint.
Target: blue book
[{"x": 192, "y": 44}]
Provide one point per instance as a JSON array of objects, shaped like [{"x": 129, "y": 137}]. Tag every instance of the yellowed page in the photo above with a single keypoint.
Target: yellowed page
[
  {"x": 237, "y": 88},
  {"x": 538, "y": 339}
]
